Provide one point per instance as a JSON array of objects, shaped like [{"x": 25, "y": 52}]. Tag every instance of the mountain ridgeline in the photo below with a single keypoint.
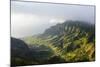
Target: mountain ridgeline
[
  {"x": 70, "y": 27},
  {"x": 71, "y": 41}
]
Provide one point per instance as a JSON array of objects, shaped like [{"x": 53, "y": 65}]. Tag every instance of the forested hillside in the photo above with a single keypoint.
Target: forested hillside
[{"x": 71, "y": 41}]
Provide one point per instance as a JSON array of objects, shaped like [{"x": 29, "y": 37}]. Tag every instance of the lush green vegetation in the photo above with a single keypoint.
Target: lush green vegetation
[{"x": 72, "y": 41}]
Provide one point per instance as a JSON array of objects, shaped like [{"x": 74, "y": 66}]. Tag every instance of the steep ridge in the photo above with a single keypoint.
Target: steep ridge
[{"x": 71, "y": 41}]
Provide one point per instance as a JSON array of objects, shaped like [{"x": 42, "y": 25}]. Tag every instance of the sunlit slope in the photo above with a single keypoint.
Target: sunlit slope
[{"x": 71, "y": 41}]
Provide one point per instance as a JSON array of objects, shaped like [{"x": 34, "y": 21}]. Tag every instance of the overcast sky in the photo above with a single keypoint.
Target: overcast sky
[{"x": 30, "y": 18}]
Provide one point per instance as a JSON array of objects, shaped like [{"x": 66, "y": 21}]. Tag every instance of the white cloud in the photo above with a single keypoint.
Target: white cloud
[{"x": 56, "y": 20}]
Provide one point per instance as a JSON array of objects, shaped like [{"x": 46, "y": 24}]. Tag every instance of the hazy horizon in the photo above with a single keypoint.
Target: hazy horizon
[{"x": 30, "y": 18}]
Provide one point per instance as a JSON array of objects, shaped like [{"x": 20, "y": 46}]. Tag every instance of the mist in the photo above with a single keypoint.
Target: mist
[{"x": 30, "y": 18}]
